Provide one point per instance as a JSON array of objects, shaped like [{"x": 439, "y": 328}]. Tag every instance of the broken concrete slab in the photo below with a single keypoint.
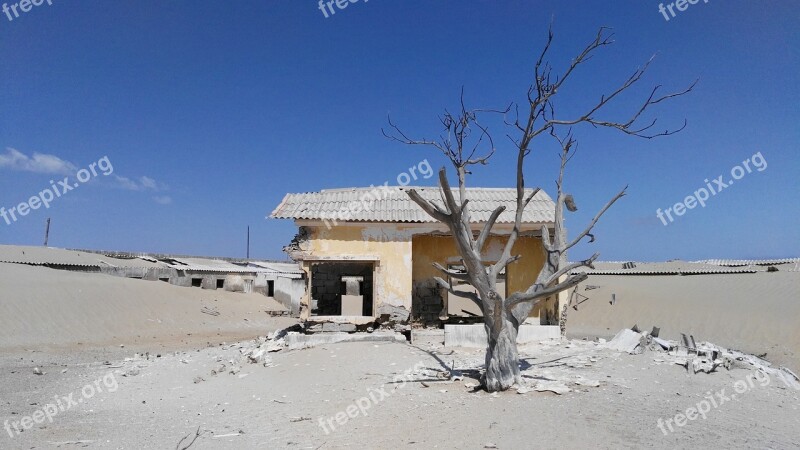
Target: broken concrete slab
[
  {"x": 665, "y": 344},
  {"x": 474, "y": 336},
  {"x": 628, "y": 341},
  {"x": 297, "y": 341}
]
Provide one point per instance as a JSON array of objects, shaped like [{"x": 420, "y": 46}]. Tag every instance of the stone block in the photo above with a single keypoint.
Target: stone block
[
  {"x": 338, "y": 327},
  {"x": 352, "y": 305}
]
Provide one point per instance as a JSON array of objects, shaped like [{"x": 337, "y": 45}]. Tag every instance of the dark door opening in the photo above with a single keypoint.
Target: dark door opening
[{"x": 342, "y": 288}]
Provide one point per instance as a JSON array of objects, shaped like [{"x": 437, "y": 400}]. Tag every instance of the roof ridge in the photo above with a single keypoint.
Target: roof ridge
[
  {"x": 390, "y": 204},
  {"x": 361, "y": 188}
]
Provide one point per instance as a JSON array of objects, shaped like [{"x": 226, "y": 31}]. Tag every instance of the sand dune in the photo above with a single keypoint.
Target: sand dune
[
  {"x": 41, "y": 307},
  {"x": 755, "y": 313}
]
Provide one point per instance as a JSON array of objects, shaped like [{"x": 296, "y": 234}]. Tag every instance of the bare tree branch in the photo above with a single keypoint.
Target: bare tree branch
[
  {"x": 625, "y": 127},
  {"x": 457, "y": 130},
  {"x": 535, "y": 295},
  {"x": 452, "y": 273},
  {"x": 463, "y": 294},
  {"x": 565, "y": 270},
  {"x": 487, "y": 228},
  {"x": 588, "y": 229},
  {"x": 432, "y": 209}
]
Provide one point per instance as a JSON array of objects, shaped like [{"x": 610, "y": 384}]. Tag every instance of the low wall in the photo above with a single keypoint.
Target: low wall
[{"x": 475, "y": 335}]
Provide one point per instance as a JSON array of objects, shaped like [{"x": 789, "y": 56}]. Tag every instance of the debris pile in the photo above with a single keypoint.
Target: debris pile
[{"x": 695, "y": 357}]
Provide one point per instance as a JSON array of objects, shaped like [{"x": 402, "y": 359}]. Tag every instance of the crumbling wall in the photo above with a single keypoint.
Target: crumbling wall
[
  {"x": 427, "y": 301},
  {"x": 289, "y": 292},
  {"x": 388, "y": 245}
]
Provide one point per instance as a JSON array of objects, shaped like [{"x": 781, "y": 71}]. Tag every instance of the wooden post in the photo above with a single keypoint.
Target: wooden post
[{"x": 47, "y": 232}]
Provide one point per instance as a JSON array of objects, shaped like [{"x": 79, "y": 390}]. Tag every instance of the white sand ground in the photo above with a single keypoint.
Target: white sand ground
[
  {"x": 71, "y": 326},
  {"x": 281, "y": 406}
]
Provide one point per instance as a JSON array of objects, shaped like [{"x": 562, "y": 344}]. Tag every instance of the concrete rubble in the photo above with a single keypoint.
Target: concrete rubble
[
  {"x": 704, "y": 357},
  {"x": 257, "y": 351},
  {"x": 628, "y": 341},
  {"x": 561, "y": 372}
]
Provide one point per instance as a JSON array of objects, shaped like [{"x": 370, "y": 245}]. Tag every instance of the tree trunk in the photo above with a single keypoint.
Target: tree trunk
[{"x": 502, "y": 358}]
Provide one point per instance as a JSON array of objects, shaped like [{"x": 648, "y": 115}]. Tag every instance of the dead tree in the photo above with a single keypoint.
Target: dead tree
[{"x": 503, "y": 316}]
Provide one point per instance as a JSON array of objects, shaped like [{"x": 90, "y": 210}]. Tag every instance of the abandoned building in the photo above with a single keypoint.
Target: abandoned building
[
  {"x": 282, "y": 281},
  {"x": 369, "y": 252}
]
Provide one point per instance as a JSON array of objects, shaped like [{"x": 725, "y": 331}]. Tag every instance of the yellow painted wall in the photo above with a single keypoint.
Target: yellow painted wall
[
  {"x": 390, "y": 245},
  {"x": 520, "y": 275},
  {"x": 405, "y": 258}
]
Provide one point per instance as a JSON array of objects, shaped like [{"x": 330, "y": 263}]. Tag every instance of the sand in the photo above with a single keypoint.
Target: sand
[
  {"x": 47, "y": 309},
  {"x": 284, "y": 405},
  {"x": 70, "y": 326},
  {"x": 757, "y": 313}
]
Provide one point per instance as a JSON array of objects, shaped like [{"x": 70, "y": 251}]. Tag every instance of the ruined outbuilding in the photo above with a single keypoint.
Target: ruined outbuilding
[
  {"x": 368, "y": 254},
  {"x": 279, "y": 280}
]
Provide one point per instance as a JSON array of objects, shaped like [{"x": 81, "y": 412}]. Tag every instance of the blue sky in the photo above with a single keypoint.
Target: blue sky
[{"x": 209, "y": 112}]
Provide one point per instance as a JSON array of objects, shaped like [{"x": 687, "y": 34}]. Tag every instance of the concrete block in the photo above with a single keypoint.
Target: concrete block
[
  {"x": 352, "y": 305},
  {"x": 427, "y": 336},
  {"x": 295, "y": 341},
  {"x": 475, "y": 335}
]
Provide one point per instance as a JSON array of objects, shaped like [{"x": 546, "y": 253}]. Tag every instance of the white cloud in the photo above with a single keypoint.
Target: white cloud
[
  {"x": 148, "y": 183},
  {"x": 143, "y": 183},
  {"x": 39, "y": 163},
  {"x": 127, "y": 183},
  {"x": 14, "y": 159},
  {"x": 163, "y": 200}
]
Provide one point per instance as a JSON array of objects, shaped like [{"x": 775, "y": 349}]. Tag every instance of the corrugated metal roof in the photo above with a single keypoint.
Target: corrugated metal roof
[
  {"x": 207, "y": 265},
  {"x": 281, "y": 268},
  {"x": 664, "y": 268},
  {"x": 392, "y": 204},
  {"x": 749, "y": 262},
  {"x": 48, "y": 256},
  {"x": 719, "y": 271}
]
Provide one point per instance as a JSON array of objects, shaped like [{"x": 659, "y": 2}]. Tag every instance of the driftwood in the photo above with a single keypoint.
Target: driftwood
[
  {"x": 458, "y": 142},
  {"x": 182, "y": 446}
]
